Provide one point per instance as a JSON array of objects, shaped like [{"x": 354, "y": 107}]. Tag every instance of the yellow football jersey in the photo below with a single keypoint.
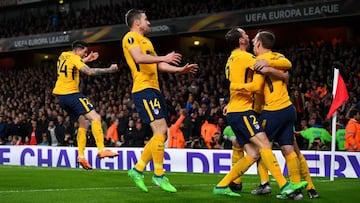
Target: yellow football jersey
[
  {"x": 68, "y": 75},
  {"x": 240, "y": 69},
  {"x": 144, "y": 75},
  {"x": 275, "y": 90}
]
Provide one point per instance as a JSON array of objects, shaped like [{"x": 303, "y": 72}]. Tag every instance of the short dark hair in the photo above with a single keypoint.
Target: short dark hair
[
  {"x": 353, "y": 113},
  {"x": 232, "y": 38},
  {"x": 79, "y": 45},
  {"x": 132, "y": 15},
  {"x": 266, "y": 38}
]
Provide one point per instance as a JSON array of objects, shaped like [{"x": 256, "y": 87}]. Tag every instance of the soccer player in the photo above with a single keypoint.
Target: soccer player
[
  {"x": 244, "y": 120},
  {"x": 150, "y": 104},
  {"x": 278, "y": 115},
  {"x": 69, "y": 66}
]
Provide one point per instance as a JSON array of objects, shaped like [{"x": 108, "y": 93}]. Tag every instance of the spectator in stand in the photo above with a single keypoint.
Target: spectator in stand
[
  {"x": 25, "y": 126},
  {"x": 69, "y": 139},
  {"x": 128, "y": 138},
  {"x": 13, "y": 128},
  {"x": 298, "y": 100},
  {"x": 112, "y": 136},
  {"x": 352, "y": 131},
  {"x": 175, "y": 134},
  {"x": 123, "y": 122},
  {"x": 208, "y": 133},
  {"x": 43, "y": 122},
  {"x": 60, "y": 130},
  {"x": 55, "y": 138},
  {"x": 35, "y": 135},
  {"x": 141, "y": 134},
  {"x": 44, "y": 139},
  {"x": 193, "y": 121},
  {"x": 15, "y": 140}
]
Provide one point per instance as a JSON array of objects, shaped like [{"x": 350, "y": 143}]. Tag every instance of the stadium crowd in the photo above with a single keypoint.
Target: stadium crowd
[
  {"x": 30, "y": 114},
  {"x": 46, "y": 19}
]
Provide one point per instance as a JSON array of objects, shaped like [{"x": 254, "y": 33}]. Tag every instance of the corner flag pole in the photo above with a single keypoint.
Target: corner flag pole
[{"x": 333, "y": 127}]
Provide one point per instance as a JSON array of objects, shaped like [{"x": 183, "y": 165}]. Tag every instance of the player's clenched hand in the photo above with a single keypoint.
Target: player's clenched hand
[
  {"x": 173, "y": 57},
  {"x": 190, "y": 68},
  {"x": 113, "y": 68}
]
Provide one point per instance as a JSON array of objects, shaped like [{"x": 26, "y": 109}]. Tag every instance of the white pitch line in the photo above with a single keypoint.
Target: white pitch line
[
  {"x": 111, "y": 188},
  {"x": 89, "y": 189}
]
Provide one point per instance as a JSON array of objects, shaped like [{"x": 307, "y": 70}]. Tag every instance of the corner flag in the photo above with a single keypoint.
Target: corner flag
[{"x": 341, "y": 95}]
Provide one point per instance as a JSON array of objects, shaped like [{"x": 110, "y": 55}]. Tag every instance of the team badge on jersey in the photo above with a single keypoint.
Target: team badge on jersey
[
  {"x": 131, "y": 40},
  {"x": 156, "y": 111}
]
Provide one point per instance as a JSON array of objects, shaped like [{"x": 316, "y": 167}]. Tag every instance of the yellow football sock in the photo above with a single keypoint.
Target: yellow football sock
[
  {"x": 98, "y": 134},
  {"x": 145, "y": 157},
  {"x": 81, "y": 141},
  {"x": 157, "y": 152},
  {"x": 293, "y": 165},
  {"x": 272, "y": 165},
  {"x": 263, "y": 171},
  {"x": 236, "y": 171},
  {"x": 237, "y": 154},
  {"x": 304, "y": 171}
]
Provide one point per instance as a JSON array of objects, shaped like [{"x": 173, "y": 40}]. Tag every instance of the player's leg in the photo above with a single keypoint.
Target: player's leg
[
  {"x": 237, "y": 154},
  {"x": 240, "y": 167},
  {"x": 270, "y": 161},
  {"x": 75, "y": 108},
  {"x": 98, "y": 134},
  {"x": 238, "y": 122},
  {"x": 159, "y": 128},
  {"x": 151, "y": 107},
  {"x": 285, "y": 139},
  {"x": 264, "y": 187},
  {"x": 305, "y": 173},
  {"x": 81, "y": 142}
]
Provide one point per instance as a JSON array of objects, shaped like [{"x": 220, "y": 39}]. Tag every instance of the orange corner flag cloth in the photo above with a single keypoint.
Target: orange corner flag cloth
[{"x": 341, "y": 96}]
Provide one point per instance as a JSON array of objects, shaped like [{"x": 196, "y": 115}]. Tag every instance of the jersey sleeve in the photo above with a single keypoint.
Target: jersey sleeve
[
  {"x": 280, "y": 61},
  {"x": 255, "y": 86},
  {"x": 130, "y": 41},
  {"x": 78, "y": 63}
]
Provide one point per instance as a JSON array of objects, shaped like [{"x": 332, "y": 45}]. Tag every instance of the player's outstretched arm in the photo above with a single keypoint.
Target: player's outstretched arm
[
  {"x": 98, "y": 71},
  {"x": 187, "y": 68},
  {"x": 139, "y": 57}
]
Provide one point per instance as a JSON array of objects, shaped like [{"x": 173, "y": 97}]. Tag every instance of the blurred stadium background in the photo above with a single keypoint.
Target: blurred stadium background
[{"x": 35, "y": 31}]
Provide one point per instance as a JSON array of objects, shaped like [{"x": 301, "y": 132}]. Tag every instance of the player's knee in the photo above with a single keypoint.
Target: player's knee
[
  {"x": 287, "y": 149},
  {"x": 94, "y": 116}
]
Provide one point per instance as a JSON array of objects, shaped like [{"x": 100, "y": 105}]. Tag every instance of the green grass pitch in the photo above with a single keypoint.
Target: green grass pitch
[{"x": 50, "y": 185}]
